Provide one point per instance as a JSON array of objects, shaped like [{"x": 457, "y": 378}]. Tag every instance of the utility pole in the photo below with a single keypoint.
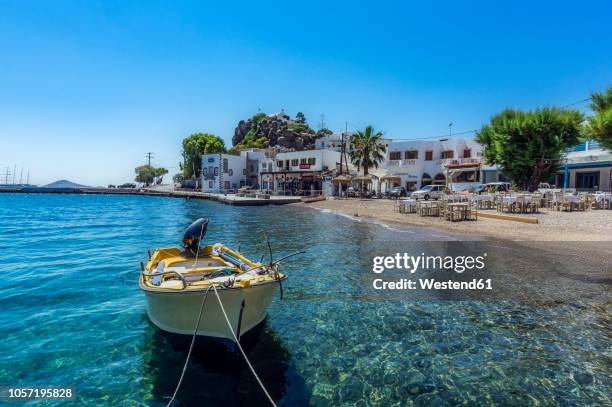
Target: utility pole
[
  {"x": 344, "y": 146},
  {"x": 450, "y": 129},
  {"x": 149, "y": 155},
  {"x": 321, "y": 121},
  {"x": 341, "y": 152}
]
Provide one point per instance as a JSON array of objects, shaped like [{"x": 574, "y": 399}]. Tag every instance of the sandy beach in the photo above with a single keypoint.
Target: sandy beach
[{"x": 593, "y": 225}]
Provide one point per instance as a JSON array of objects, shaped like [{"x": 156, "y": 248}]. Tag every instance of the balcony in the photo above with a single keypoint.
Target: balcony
[
  {"x": 401, "y": 163},
  {"x": 455, "y": 161}
]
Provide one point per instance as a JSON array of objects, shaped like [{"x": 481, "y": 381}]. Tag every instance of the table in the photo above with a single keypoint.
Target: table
[
  {"x": 457, "y": 211},
  {"x": 485, "y": 200},
  {"x": 454, "y": 198},
  {"x": 428, "y": 208},
  {"x": 407, "y": 205},
  {"x": 509, "y": 200},
  {"x": 603, "y": 196}
]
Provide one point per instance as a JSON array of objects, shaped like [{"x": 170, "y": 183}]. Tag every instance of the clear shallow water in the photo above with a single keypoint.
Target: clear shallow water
[{"x": 72, "y": 314}]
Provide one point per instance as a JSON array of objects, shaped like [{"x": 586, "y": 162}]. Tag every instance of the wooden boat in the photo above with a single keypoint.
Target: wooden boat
[{"x": 176, "y": 281}]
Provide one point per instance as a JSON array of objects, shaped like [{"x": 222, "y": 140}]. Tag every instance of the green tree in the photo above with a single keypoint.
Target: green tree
[
  {"x": 194, "y": 147},
  {"x": 599, "y": 127},
  {"x": 178, "y": 178},
  {"x": 529, "y": 146},
  {"x": 145, "y": 174},
  {"x": 159, "y": 174},
  {"x": 324, "y": 132},
  {"x": 300, "y": 118},
  {"x": 367, "y": 149}
]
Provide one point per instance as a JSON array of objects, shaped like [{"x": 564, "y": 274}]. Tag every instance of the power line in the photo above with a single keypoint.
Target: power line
[
  {"x": 475, "y": 130},
  {"x": 577, "y": 103}
]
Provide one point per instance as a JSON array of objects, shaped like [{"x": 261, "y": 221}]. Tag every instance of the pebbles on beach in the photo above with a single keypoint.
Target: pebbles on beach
[{"x": 593, "y": 225}]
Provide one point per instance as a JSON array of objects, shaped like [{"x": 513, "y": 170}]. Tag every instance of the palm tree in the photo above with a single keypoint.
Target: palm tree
[{"x": 367, "y": 149}]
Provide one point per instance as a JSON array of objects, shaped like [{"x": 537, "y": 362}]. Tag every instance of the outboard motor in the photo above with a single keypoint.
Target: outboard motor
[{"x": 193, "y": 234}]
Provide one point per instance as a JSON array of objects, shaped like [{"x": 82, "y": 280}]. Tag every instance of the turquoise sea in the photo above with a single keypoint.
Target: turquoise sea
[{"x": 71, "y": 314}]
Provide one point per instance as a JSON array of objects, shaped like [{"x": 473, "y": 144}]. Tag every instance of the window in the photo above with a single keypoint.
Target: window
[
  {"x": 303, "y": 161},
  {"x": 226, "y": 185},
  {"x": 287, "y": 163},
  {"x": 204, "y": 171},
  {"x": 225, "y": 165},
  {"x": 210, "y": 184},
  {"x": 587, "y": 180},
  {"x": 216, "y": 171},
  {"x": 231, "y": 172},
  {"x": 467, "y": 153},
  {"x": 429, "y": 155},
  {"x": 311, "y": 161},
  {"x": 447, "y": 154},
  {"x": 411, "y": 154},
  {"x": 395, "y": 155},
  {"x": 294, "y": 162},
  {"x": 280, "y": 164},
  {"x": 270, "y": 167}
]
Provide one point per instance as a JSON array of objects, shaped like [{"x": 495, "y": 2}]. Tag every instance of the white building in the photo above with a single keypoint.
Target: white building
[
  {"x": 588, "y": 168},
  {"x": 331, "y": 142},
  {"x": 416, "y": 163},
  {"x": 223, "y": 172},
  {"x": 298, "y": 171}
]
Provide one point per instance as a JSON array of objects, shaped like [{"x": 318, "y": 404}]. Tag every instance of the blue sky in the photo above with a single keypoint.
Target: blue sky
[{"x": 87, "y": 87}]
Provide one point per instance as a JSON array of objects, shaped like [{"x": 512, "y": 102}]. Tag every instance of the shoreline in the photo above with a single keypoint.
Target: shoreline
[{"x": 593, "y": 225}]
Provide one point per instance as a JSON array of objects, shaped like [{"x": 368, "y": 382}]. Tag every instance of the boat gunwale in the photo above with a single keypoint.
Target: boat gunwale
[{"x": 218, "y": 286}]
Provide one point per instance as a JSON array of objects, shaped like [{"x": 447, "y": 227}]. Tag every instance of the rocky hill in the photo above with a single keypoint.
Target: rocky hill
[{"x": 277, "y": 130}]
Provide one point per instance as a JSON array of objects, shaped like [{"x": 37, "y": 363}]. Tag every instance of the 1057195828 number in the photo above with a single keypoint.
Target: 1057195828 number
[{"x": 36, "y": 392}]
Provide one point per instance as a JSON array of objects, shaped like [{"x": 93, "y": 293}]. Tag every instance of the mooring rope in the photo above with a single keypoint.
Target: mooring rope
[
  {"x": 242, "y": 350},
  {"x": 193, "y": 338},
  {"x": 195, "y": 330}
]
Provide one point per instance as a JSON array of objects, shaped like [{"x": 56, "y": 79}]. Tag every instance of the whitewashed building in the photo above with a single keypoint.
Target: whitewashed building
[
  {"x": 588, "y": 167},
  {"x": 416, "y": 163},
  {"x": 223, "y": 172},
  {"x": 298, "y": 171}
]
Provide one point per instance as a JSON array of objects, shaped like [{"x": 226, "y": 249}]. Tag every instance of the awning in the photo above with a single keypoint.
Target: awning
[
  {"x": 464, "y": 166},
  {"x": 342, "y": 179},
  {"x": 390, "y": 177},
  {"x": 363, "y": 178}
]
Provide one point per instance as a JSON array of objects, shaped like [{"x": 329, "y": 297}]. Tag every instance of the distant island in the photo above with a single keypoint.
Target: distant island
[{"x": 64, "y": 183}]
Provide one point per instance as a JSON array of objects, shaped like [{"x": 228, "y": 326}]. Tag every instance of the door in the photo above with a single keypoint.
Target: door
[{"x": 587, "y": 180}]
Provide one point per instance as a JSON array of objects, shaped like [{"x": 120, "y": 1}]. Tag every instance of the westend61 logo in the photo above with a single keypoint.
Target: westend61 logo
[{"x": 412, "y": 264}]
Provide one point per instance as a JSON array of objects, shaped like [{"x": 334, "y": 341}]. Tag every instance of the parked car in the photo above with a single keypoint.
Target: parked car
[
  {"x": 429, "y": 192},
  {"x": 397, "y": 192},
  {"x": 494, "y": 187},
  {"x": 351, "y": 192},
  {"x": 127, "y": 185}
]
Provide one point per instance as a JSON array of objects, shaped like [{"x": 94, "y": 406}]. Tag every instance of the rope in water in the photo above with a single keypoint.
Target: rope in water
[
  {"x": 195, "y": 332},
  {"x": 178, "y": 386},
  {"x": 193, "y": 338},
  {"x": 242, "y": 350}
]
